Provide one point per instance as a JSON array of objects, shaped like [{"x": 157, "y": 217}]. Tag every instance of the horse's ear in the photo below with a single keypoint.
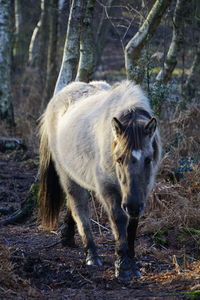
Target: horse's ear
[
  {"x": 150, "y": 127},
  {"x": 117, "y": 127}
]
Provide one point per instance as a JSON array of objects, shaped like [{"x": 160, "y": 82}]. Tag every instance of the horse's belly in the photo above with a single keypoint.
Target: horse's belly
[{"x": 75, "y": 156}]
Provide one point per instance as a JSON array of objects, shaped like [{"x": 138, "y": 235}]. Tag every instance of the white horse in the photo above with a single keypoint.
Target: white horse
[{"x": 94, "y": 137}]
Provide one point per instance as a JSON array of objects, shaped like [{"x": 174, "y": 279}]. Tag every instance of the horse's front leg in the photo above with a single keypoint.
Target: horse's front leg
[
  {"x": 119, "y": 224},
  {"x": 131, "y": 235}
]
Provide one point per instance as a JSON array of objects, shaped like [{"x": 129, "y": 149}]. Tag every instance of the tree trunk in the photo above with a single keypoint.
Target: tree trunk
[
  {"x": 136, "y": 44},
  {"x": 39, "y": 43},
  {"x": 18, "y": 49},
  {"x": 71, "y": 49},
  {"x": 177, "y": 40},
  {"x": 6, "y": 108},
  {"x": 192, "y": 82},
  {"x": 87, "y": 59},
  {"x": 52, "y": 52}
]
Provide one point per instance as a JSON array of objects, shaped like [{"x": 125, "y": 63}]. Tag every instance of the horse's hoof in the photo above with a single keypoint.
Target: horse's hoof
[
  {"x": 136, "y": 269},
  {"x": 93, "y": 261},
  {"x": 136, "y": 273},
  {"x": 123, "y": 269},
  {"x": 123, "y": 275}
]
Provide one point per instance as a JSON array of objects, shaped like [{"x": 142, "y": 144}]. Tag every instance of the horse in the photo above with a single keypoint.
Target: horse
[{"x": 101, "y": 139}]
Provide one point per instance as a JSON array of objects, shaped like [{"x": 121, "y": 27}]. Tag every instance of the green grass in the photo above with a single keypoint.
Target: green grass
[
  {"x": 193, "y": 295},
  {"x": 190, "y": 230},
  {"x": 159, "y": 238}
]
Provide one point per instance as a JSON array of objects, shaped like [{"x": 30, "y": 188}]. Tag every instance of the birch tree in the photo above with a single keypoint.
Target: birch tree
[
  {"x": 87, "y": 58},
  {"x": 6, "y": 107},
  {"x": 136, "y": 44},
  {"x": 39, "y": 42},
  {"x": 177, "y": 40},
  {"x": 71, "y": 49}
]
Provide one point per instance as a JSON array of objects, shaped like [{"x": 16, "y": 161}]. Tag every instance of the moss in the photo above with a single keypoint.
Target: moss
[
  {"x": 193, "y": 295},
  {"x": 159, "y": 238},
  {"x": 176, "y": 72},
  {"x": 181, "y": 238}
]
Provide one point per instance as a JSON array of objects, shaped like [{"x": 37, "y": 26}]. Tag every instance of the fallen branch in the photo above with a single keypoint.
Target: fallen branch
[{"x": 26, "y": 210}]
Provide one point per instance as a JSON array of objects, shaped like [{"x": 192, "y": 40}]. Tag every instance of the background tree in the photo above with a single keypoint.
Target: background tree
[
  {"x": 71, "y": 49},
  {"x": 18, "y": 52},
  {"x": 136, "y": 44},
  {"x": 177, "y": 41},
  {"x": 51, "y": 72},
  {"x": 39, "y": 44},
  {"x": 6, "y": 107},
  {"x": 87, "y": 58}
]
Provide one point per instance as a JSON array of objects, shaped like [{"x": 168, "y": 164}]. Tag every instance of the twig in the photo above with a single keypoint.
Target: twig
[
  {"x": 177, "y": 267},
  {"x": 100, "y": 225},
  {"x": 86, "y": 279},
  {"x": 95, "y": 210},
  {"x": 52, "y": 245}
]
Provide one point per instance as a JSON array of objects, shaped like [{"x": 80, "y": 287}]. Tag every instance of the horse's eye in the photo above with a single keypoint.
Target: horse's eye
[
  {"x": 148, "y": 160},
  {"x": 119, "y": 160}
]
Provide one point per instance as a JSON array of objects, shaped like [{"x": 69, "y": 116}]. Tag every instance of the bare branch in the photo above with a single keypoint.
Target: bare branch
[{"x": 136, "y": 44}]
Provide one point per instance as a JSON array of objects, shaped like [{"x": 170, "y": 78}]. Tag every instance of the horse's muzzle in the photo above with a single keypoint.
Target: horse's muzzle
[{"x": 133, "y": 210}]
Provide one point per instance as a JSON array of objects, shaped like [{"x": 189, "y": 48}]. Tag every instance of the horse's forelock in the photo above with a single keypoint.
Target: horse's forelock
[
  {"x": 134, "y": 130},
  {"x": 133, "y": 138}
]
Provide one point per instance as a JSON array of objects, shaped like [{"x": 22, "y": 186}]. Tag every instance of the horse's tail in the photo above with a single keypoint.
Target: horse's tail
[{"x": 50, "y": 191}]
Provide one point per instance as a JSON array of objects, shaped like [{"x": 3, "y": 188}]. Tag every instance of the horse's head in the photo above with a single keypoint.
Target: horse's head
[{"x": 134, "y": 156}]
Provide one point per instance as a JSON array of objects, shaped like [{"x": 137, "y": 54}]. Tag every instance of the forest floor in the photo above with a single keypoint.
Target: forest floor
[{"x": 34, "y": 264}]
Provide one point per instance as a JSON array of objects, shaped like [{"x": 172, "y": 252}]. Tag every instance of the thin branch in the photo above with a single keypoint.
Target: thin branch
[{"x": 136, "y": 44}]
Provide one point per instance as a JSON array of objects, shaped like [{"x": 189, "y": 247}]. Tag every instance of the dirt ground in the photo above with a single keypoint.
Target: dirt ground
[{"x": 43, "y": 269}]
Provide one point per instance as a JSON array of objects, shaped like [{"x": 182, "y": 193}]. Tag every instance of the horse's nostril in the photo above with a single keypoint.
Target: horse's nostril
[{"x": 133, "y": 210}]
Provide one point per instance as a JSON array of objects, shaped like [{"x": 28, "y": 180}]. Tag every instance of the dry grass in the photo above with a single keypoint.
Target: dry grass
[
  {"x": 189, "y": 274},
  {"x": 176, "y": 201},
  {"x": 28, "y": 98},
  {"x": 11, "y": 285}
]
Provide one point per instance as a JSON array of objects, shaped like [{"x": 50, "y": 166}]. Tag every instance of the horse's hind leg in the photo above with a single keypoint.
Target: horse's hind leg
[
  {"x": 78, "y": 201},
  {"x": 68, "y": 230}
]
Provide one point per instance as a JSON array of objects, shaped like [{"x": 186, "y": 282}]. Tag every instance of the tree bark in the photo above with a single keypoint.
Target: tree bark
[
  {"x": 71, "y": 49},
  {"x": 177, "y": 40},
  {"x": 87, "y": 59},
  {"x": 52, "y": 52},
  {"x": 6, "y": 107},
  {"x": 136, "y": 44}
]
